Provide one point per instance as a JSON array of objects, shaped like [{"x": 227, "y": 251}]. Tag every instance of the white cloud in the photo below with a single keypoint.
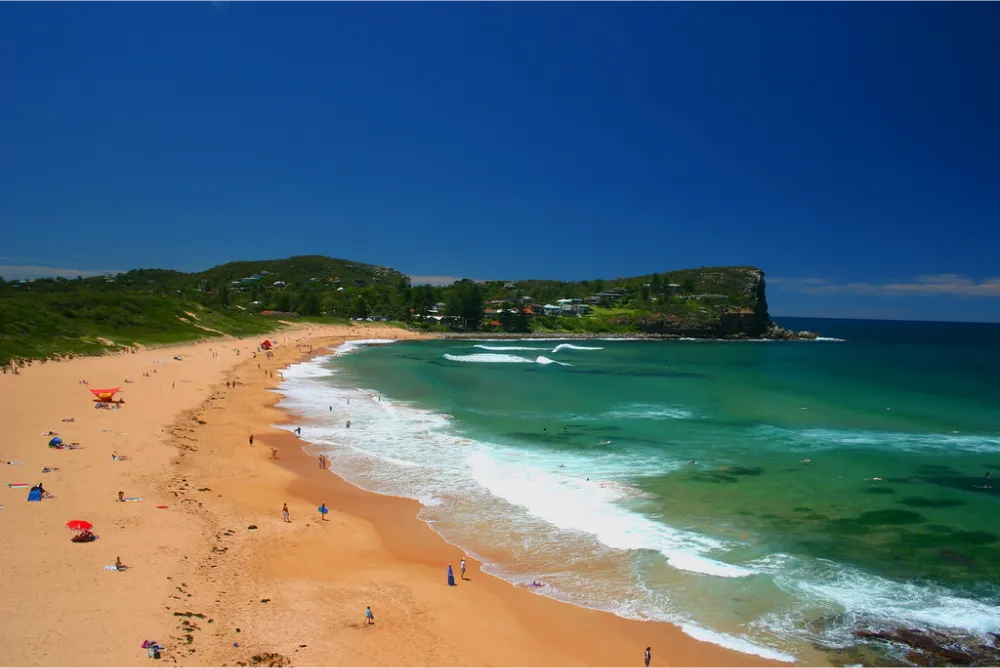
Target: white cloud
[
  {"x": 954, "y": 285},
  {"x": 13, "y": 272}
]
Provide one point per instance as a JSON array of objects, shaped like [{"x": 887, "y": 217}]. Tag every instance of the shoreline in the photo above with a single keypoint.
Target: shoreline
[
  {"x": 629, "y": 336},
  {"x": 202, "y": 580}
]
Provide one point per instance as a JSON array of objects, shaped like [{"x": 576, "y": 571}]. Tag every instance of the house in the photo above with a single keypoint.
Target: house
[
  {"x": 508, "y": 286},
  {"x": 583, "y": 309},
  {"x": 673, "y": 287},
  {"x": 279, "y": 284},
  {"x": 551, "y": 309},
  {"x": 527, "y": 300}
]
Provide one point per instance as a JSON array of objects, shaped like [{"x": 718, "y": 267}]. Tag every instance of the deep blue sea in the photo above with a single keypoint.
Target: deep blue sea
[{"x": 772, "y": 497}]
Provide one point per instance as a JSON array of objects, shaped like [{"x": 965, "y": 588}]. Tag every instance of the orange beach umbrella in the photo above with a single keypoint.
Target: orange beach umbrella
[{"x": 104, "y": 395}]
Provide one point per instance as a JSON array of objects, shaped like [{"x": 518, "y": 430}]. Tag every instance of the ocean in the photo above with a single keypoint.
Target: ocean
[{"x": 771, "y": 497}]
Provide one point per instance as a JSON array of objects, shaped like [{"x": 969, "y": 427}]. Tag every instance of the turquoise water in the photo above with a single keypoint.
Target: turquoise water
[{"x": 769, "y": 496}]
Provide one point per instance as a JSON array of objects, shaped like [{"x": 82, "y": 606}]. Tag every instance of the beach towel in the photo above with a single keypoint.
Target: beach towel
[
  {"x": 133, "y": 498},
  {"x": 112, "y": 567},
  {"x": 19, "y": 484}
]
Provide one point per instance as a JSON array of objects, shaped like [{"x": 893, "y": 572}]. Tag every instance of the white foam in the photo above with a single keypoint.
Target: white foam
[
  {"x": 898, "y": 441},
  {"x": 545, "y": 360},
  {"x": 508, "y": 347},
  {"x": 865, "y": 599},
  {"x": 488, "y": 358},
  {"x": 572, "y": 502},
  {"x": 570, "y": 346},
  {"x": 648, "y": 412},
  {"x": 734, "y": 643},
  {"x": 828, "y": 338},
  {"x": 348, "y": 347}
]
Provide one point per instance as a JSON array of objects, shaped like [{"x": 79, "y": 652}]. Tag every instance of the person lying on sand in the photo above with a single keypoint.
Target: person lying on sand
[
  {"x": 69, "y": 420},
  {"x": 84, "y": 536},
  {"x": 49, "y": 469},
  {"x": 119, "y": 458}
]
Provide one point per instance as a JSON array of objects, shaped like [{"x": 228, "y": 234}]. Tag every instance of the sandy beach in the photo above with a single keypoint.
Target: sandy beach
[{"x": 217, "y": 576}]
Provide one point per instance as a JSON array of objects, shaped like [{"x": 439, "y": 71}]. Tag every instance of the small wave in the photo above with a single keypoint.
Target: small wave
[
  {"x": 545, "y": 360},
  {"x": 832, "y": 438},
  {"x": 489, "y": 358},
  {"x": 570, "y": 346},
  {"x": 508, "y": 347},
  {"x": 870, "y": 601},
  {"x": 348, "y": 347},
  {"x": 829, "y": 338},
  {"x": 648, "y": 412},
  {"x": 734, "y": 643},
  {"x": 568, "y": 502}
]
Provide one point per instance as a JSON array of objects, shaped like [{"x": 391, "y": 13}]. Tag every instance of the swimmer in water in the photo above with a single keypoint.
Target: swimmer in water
[{"x": 605, "y": 442}]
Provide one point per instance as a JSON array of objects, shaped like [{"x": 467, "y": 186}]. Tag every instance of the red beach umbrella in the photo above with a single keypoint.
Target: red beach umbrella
[{"x": 79, "y": 525}]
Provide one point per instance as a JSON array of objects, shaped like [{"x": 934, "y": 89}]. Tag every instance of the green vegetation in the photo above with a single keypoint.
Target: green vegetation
[{"x": 57, "y": 316}]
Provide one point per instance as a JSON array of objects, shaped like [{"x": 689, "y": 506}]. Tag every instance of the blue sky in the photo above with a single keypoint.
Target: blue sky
[{"x": 852, "y": 151}]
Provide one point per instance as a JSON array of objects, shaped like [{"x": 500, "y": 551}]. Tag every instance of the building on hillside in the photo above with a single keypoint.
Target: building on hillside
[
  {"x": 508, "y": 286},
  {"x": 552, "y": 309}
]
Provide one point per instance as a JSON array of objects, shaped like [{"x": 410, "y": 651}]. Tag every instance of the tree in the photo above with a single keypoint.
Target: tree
[
  {"x": 465, "y": 301},
  {"x": 688, "y": 285},
  {"x": 309, "y": 305},
  {"x": 656, "y": 283},
  {"x": 284, "y": 302},
  {"x": 360, "y": 308}
]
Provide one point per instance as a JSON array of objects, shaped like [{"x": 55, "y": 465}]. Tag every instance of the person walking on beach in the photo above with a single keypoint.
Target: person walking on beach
[
  {"x": 369, "y": 617},
  {"x": 451, "y": 576},
  {"x": 285, "y": 515},
  {"x": 323, "y": 510},
  {"x": 461, "y": 567},
  {"x": 251, "y": 440},
  {"x": 648, "y": 656}
]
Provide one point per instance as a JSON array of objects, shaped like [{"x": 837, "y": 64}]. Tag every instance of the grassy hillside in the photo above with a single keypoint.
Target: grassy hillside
[
  {"x": 58, "y": 316},
  {"x": 87, "y": 316}
]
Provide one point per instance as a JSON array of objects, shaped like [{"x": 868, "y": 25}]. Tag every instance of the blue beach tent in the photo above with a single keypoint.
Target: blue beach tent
[
  {"x": 55, "y": 441},
  {"x": 35, "y": 494}
]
